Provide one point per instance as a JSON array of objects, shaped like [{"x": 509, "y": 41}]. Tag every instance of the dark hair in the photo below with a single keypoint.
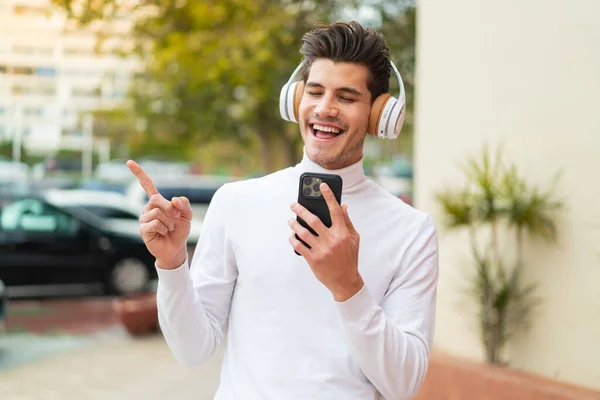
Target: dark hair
[{"x": 349, "y": 42}]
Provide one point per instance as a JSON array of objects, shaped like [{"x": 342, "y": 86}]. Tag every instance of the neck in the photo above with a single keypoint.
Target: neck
[{"x": 351, "y": 175}]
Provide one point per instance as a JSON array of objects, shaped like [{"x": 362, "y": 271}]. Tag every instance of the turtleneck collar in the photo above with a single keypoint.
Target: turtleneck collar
[{"x": 351, "y": 175}]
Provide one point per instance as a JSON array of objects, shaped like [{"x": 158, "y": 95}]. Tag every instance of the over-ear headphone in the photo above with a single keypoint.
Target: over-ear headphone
[{"x": 387, "y": 112}]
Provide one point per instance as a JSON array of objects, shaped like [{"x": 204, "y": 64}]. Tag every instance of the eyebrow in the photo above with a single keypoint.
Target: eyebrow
[{"x": 340, "y": 89}]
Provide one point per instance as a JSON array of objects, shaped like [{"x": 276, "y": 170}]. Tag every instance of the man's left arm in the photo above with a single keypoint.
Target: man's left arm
[{"x": 391, "y": 341}]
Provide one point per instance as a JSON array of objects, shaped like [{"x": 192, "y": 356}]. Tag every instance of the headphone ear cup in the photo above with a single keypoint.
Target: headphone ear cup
[
  {"x": 399, "y": 122},
  {"x": 286, "y": 101},
  {"x": 298, "y": 92},
  {"x": 376, "y": 111},
  {"x": 392, "y": 119},
  {"x": 389, "y": 114},
  {"x": 289, "y": 100}
]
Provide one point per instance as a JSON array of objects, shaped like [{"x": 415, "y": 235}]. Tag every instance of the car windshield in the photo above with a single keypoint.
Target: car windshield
[
  {"x": 36, "y": 214},
  {"x": 103, "y": 186},
  {"x": 87, "y": 216},
  {"x": 196, "y": 195},
  {"x": 105, "y": 212}
]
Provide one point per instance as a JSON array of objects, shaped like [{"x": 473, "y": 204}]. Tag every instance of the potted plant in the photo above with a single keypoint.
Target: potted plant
[
  {"x": 137, "y": 312},
  {"x": 498, "y": 206}
]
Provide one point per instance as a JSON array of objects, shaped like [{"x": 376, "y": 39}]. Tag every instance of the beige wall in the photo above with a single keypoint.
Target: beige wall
[{"x": 524, "y": 73}]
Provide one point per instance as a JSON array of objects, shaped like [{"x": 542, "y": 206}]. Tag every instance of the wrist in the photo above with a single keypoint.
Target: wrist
[
  {"x": 175, "y": 262},
  {"x": 348, "y": 290}
]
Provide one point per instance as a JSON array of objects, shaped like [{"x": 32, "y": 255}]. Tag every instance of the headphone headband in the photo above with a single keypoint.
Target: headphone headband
[{"x": 401, "y": 94}]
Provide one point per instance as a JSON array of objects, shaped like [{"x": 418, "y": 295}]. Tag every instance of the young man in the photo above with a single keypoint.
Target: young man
[{"x": 353, "y": 317}]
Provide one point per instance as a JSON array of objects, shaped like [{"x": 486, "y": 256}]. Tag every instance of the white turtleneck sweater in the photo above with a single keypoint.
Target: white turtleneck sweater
[{"x": 287, "y": 338}]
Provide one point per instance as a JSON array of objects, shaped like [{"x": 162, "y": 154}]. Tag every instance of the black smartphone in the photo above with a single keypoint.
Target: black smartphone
[{"x": 309, "y": 195}]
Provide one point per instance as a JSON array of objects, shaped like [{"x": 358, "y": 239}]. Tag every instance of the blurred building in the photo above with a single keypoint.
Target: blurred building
[
  {"x": 51, "y": 72},
  {"x": 524, "y": 75}
]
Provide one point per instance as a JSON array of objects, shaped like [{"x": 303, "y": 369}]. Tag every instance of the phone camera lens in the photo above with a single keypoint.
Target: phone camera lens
[
  {"x": 307, "y": 181},
  {"x": 316, "y": 187},
  {"x": 306, "y": 191}
]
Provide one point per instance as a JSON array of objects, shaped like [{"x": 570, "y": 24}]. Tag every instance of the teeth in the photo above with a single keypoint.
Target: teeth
[{"x": 326, "y": 128}]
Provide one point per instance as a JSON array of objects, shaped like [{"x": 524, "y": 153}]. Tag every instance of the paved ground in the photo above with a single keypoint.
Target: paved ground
[
  {"x": 77, "y": 349},
  {"x": 75, "y": 316},
  {"x": 36, "y": 329},
  {"x": 21, "y": 348},
  {"x": 115, "y": 366}
]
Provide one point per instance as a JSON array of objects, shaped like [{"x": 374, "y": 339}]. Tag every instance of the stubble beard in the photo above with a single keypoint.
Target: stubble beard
[{"x": 342, "y": 159}]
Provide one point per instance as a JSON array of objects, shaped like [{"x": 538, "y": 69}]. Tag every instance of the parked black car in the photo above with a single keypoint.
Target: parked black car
[
  {"x": 43, "y": 246},
  {"x": 3, "y": 306}
]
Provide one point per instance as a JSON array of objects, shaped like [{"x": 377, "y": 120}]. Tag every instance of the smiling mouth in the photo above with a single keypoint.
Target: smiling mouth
[{"x": 325, "y": 132}]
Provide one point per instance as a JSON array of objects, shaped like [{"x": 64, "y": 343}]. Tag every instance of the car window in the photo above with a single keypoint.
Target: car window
[
  {"x": 31, "y": 215},
  {"x": 103, "y": 186},
  {"x": 108, "y": 212},
  {"x": 169, "y": 192},
  {"x": 196, "y": 195},
  {"x": 201, "y": 195}
]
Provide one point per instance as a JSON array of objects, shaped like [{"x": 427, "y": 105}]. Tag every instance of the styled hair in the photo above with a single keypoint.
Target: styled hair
[{"x": 349, "y": 42}]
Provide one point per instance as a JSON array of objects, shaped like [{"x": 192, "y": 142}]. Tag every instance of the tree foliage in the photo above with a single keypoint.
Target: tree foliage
[{"x": 214, "y": 70}]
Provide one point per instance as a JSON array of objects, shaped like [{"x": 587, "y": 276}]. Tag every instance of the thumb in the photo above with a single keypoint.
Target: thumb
[{"x": 183, "y": 205}]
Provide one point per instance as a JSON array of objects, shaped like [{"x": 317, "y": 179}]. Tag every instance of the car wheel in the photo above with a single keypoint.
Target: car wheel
[{"x": 129, "y": 276}]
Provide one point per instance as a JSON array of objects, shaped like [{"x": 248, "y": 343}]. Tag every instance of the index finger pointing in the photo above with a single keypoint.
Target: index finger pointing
[
  {"x": 141, "y": 176},
  {"x": 334, "y": 207}
]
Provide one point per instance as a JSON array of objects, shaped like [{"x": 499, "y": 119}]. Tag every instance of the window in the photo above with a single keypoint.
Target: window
[
  {"x": 118, "y": 94},
  {"x": 43, "y": 90},
  {"x": 201, "y": 195},
  {"x": 23, "y": 70},
  {"x": 32, "y": 215},
  {"x": 87, "y": 73},
  {"x": 33, "y": 50},
  {"x": 196, "y": 195},
  {"x": 109, "y": 212},
  {"x": 6, "y": 132},
  {"x": 32, "y": 111},
  {"x": 86, "y": 92},
  {"x": 78, "y": 51},
  {"x": 28, "y": 10},
  {"x": 45, "y": 71}
]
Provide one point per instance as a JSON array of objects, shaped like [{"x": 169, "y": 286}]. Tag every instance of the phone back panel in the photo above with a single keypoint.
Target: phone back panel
[{"x": 318, "y": 205}]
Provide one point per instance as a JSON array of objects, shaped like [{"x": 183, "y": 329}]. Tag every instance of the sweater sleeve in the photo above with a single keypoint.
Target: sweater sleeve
[
  {"x": 391, "y": 341},
  {"x": 194, "y": 302}
]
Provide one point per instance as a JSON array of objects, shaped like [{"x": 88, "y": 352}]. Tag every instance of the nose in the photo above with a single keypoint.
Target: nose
[{"x": 326, "y": 107}]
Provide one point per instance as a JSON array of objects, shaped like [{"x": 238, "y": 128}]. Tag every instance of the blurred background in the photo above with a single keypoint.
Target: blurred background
[{"x": 502, "y": 134}]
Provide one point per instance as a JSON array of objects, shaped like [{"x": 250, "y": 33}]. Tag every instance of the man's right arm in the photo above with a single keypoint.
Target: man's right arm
[{"x": 194, "y": 303}]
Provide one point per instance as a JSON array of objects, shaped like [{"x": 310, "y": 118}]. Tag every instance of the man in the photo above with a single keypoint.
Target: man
[{"x": 353, "y": 318}]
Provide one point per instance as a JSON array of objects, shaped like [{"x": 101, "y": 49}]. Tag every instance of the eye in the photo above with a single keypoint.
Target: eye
[
  {"x": 347, "y": 99},
  {"x": 315, "y": 94}
]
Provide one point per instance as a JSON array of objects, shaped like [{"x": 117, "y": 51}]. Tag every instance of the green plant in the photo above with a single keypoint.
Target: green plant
[{"x": 497, "y": 206}]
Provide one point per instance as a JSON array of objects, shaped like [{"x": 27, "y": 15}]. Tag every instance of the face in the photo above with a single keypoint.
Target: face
[{"x": 334, "y": 113}]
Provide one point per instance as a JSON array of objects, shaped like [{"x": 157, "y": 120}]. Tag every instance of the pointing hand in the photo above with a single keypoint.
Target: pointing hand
[{"x": 164, "y": 224}]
